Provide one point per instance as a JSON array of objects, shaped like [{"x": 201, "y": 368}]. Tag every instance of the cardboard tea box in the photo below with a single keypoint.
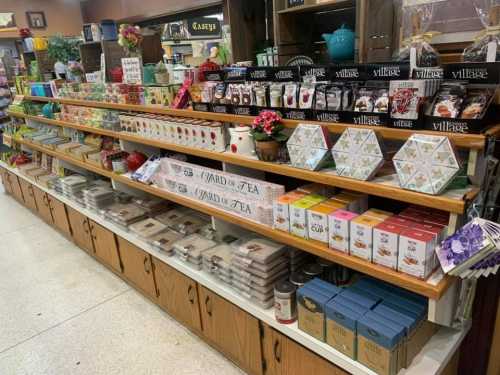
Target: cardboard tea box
[
  {"x": 364, "y": 299},
  {"x": 311, "y": 303},
  {"x": 324, "y": 286},
  {"x": 315, "y": 188},
  {"x": 416, "y": 252},
  {"x": 386, "y": 244},
  {"x": 426, "y": 163},
  {"x": 358, "y": 154},
  {"x": 378, "y": 345},
  {"x": 309, "y": 146},
  {"x": 361, "y": 236},
  {"x": 378, "y": 214},
  {"x": 339, "y": 223},
  {"x": 317, "y": 219},
  {"x": 298, "y": 214},
  {"x": 281, "y": 209},
  {"x": 355, "y": 202},
  {"x": 341, "y": 327}
]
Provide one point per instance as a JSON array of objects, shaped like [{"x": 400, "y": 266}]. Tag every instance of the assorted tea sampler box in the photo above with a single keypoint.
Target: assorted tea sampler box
[
  {"x": 317, "y": 219},
  {"x": 358, "y": 154},
  {"x": 281, "y": 209},
  {"x": 339, "y": 223},
  {"x": 361, "y": 236},
  {"x": 309, "y": 146},
  {"x": 426, "y": 163},
  {"x": 416, "y": 253},
  {"x": 298, "y": 214}
]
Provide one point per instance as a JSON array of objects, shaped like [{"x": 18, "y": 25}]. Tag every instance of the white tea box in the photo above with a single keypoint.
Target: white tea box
[
  {"x": 386, "y": 244},
  {"x": 339, "y": 229},
  {"x": 416, "y": 249},
  {"x": 361, "y": 236}
]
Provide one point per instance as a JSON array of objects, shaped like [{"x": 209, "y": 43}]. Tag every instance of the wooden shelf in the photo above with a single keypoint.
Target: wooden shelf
[
  {"x": 317, "y": 248},
  {"x": 388, "y": 191},
  {"x": 469, "y": 141},
  {"x": 431, "y": 360},
  {"x": 324, "y": 5}
]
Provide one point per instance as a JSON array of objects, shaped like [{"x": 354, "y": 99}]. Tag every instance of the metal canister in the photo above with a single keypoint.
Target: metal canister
[
  {"x": 299, "y": 279},
  {"x": 329, "y": 270},
  {"x": 285, "y": 302}
]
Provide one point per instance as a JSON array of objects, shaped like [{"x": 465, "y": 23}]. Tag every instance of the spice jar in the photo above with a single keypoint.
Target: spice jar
[
  {"x": 312, "y": 270},
  {"x": 299, "y": 279},
  {"x": 285, "y": 303},
  {"x": 329, "y": 270}
]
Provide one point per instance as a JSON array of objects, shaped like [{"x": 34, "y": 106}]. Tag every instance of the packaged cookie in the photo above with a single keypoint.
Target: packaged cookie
[
  {"x": 246, "y": 94},
  {"x": 348, "y": 97},
  {"x": 260, "y": 94},
  {"x": 320, "y": 97},
  {"x": 219, "y": 93},
  {"x": 234, "y": 93},
  {"x": 334, "y": 97},
  {"x": 207, "y": 92},
  {"x": 381, "y": 103},
  {"x": 290, "y": 95},
  {"x": 449, "y": 100},
  {"x": 406, "y": 97},
  {"x": 276, "y": 95},
  {"x": 364, "y": 100},
  {"x": 475, "y": 104},
  {"x": 306, "y": 95}
]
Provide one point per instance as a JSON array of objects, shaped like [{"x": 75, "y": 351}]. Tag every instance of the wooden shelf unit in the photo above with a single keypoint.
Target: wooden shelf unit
[
  {"x": 457, "y": 206},
  {"x": 324, "y": 5},
  {"x": 317, "y": 248},
  {"x": 468, "y": 141}
]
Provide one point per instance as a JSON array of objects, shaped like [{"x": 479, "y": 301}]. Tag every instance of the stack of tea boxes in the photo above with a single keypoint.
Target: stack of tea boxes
[
  {"x": 379, "y": 325},
  {"x": 403, "y": 242},
  {"x": 208, "y": 135}
]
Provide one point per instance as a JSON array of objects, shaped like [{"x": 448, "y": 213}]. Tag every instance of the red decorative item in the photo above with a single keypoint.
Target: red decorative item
[
  {"x": 206, "y": 67},
  {"x": 117, "y": 74},
  {"x": 182, "y": 98},
  {"x": 135, "y": 160}
]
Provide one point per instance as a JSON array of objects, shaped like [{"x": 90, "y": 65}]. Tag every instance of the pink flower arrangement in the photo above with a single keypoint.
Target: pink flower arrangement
[
  {"x": 267, "y": 126},
  {"x": 130, "y": 37}
]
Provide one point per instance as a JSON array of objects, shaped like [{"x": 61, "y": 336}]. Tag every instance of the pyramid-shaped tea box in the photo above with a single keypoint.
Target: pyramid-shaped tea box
[
  {"x": 426, "y": 163},
  {"x": 358, "y": 154}
]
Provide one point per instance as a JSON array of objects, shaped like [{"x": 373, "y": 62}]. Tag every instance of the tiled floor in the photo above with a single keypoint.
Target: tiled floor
[{"x": 62, "y": 313}]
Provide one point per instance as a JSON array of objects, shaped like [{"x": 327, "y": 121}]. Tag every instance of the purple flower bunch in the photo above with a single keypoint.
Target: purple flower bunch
[{"x": 462, "y": 245}]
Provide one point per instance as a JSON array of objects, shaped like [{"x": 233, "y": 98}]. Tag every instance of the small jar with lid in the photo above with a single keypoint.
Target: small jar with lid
[
  {"x": 312, "y": 270},
  {"x": 285, "y": 302},
  {"x": 299, "y": 279},
  {"x": 329, "y": 270}
]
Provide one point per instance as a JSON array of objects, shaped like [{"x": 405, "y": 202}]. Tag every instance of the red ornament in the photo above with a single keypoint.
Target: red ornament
[
  {"x": 234, "y": 149},
  {"x": 135, "y": 160}
]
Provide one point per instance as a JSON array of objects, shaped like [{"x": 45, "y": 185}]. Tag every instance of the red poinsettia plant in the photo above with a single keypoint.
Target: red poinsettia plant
[{"x": 267, "y": 126}]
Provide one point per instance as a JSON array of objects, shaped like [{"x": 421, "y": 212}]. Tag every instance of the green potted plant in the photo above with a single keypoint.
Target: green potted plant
[
  {"x": 161, "y": 73},
  {"x": 267, "y": 131}
]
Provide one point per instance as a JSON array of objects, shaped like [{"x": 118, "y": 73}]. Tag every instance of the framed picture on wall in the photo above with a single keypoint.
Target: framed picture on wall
[
  {"x": 36, "y": 20},
  {"x": 7, "y": 20}
]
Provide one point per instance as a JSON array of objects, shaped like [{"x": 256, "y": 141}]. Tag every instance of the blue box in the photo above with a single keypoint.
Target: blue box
[
  {"x": 324, "y": 285},
  {"x": 361, "y": 299},
  {"x": 311, "y": 311}
]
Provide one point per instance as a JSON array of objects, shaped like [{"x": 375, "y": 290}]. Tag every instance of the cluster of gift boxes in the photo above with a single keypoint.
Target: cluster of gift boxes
[
  {"x": 247, "y": 197},
  {"x": 208, "y": 135},
  {"x": 403, "y": 242},
  {"x": 94, "y": 117},
  {"x": 381, "y": 326}
]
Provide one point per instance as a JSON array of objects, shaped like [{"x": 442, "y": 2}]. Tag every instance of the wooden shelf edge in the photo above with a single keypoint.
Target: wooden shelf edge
[
  {"x": 324, "y": 5},
  {"x": 317, "y": 248},
  {"x": 381, "y": 190},
  {"x": 469, "y": 141}
]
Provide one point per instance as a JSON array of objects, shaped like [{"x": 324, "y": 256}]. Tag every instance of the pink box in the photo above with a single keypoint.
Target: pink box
[
  {"x": 386, "y": 244},
  {"x": 339, "y": 229},
  {"x": 416, "y": 251},
  {"x": 402, "y": 221}
]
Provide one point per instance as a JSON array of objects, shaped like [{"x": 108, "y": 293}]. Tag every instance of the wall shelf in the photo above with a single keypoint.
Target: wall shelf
[
  {"x": 433, "y": 290},
  {"x": 431, "y": 360},
  {"x": 447, "y": 203},
  {"x": 322, "y": 6},
  {"x": 468, "y": 141}
]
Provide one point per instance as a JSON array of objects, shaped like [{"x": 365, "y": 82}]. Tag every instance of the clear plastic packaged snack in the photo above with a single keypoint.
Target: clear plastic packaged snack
[
  {"x": 364, "y": 100},
  {"x": 260, "y": 94},
  {"x": 448, "y": 101},
  {"x": 476, "y": 103},
  {"x": 486, "y": 47},
  {"x": 381, "y": 104},
  {"x": 306, "y": 95},
  {"x": 320, "y": 97},
  {"x": 334, "y": 97},
  {"x": 290, "y": 95},
  {"x": 219, "y": 93},
  {"x": 276, "y": 95}
]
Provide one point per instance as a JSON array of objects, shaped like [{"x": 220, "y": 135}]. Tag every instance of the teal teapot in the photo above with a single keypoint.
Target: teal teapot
[{"x": 340, "y": 44}]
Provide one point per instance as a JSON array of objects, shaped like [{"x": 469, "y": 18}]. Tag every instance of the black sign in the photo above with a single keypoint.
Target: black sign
[
  {"x": 214, "y": 75},
  {"x": 320, "y": 72},
  {"x": 427, "y": 73},
  {"x": 235, "y": 74},
  {"x": 295, "y": 3},
  {"x": 354, "y": 72},
  {"x": 473, "y": 72},
  {"x": 387, "y": 71},
  {"x": 202, "y": 27},
  {"x": 275, "y": 74}
]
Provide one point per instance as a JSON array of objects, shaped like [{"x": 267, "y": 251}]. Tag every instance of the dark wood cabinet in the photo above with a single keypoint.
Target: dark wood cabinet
[
  {"x": 283, "y": 356},
  {"x": 178, "y": 295},
  {"x": 80, "y": 230},
  {"x": 105, "y": 248},
  {"x": 137, "y": 267},
  {"x": 232, "y": 330},
  {"x": 59, "y": 215},
  {"x": 28, "y": 194},
  {"x": 42, "y": 203},
  {"x": 16, "y": 187}
]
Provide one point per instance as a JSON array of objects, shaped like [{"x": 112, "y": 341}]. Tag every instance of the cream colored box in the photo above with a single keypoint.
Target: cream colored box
[{"x": 361, "y": 236}]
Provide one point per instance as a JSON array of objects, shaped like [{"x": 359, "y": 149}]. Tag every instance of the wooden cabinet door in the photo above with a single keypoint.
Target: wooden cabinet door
[
  {"x": 5, "y": 180},
  {"x": 16, "y": 187},
  {"x": 42, "y": 202},
  {"x": 105, "y": 248},
  {"x": 232, "y": 330},
  {"x": 178, "y": 295},
  {"x": 80, "y": 230},
  {"x": 28, "y": 194},
  {"x": 59, "y": 215},
  {"x": 283, "y": 356},
  {"x": 137, "y": 266}
]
